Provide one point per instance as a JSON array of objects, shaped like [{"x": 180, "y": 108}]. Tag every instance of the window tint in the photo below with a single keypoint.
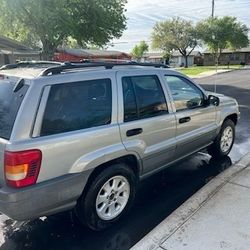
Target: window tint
[
  {"x": 79, "y": 105},
  {"x": 185, "y": 94},
  {"x": 130, "y": 106},
  {"x": 143, "y": 97},
  {"x": 10, "y": 102}
]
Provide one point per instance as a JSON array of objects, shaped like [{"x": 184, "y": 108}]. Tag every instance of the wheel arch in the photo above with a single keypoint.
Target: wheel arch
[
  {"x": 130, "y": 160},
  {"x": 232, "y": 117}
]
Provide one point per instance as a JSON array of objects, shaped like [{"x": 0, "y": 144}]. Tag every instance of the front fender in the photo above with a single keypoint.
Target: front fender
[{"x": 228, "y": 106}]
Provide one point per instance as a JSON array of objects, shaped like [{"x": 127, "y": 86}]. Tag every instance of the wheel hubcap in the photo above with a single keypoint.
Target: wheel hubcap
[
  {"x": 112, "y": 198},
  {"x": 226, "y": 139}
]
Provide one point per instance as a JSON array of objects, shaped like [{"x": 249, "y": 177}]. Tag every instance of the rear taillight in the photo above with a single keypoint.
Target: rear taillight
[{"x": 22, "y": 168}]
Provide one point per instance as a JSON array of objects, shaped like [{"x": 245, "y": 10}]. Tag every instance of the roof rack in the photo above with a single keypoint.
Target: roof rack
[
  {"x": 88, "y": 64},
  {"x": 24, "y": 64}
]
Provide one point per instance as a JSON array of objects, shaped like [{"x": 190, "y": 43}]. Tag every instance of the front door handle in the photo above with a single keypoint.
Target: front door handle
[
  {"x": 135, "y": 131},
  {"x": 185, "y": 119}
]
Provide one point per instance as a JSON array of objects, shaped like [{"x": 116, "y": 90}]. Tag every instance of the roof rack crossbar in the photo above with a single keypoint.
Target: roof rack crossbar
[{"x": 68, "y": 66}]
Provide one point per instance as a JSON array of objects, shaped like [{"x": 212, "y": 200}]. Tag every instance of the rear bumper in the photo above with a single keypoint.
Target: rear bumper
[{"x": 44, "y": 198}]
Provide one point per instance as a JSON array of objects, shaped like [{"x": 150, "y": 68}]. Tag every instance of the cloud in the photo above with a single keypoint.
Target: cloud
[{"x": 143, "y": 14}]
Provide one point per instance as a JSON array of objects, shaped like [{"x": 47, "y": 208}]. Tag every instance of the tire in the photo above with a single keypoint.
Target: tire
[
  {"x": 220, "y": 147},
  {"x": 109, "y": 196}
]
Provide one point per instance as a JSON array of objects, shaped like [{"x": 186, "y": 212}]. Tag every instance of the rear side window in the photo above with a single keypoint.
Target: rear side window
[
  {"x": 78, "y": 105},
  {"x": 10, "y": 102},
  {"x": 143, "y": 97}
]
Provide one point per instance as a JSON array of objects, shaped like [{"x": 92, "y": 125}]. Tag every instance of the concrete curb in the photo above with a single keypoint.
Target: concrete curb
[
  {"x": 172, "y": 223},
  {"x": 218, "y": 73},
  {"x": 211, "y": 74}
]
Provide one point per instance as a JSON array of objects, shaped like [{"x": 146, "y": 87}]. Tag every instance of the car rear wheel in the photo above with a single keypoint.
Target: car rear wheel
[
  {"x": 224, "y": 140},
  {"x": 108, "y": 197}
]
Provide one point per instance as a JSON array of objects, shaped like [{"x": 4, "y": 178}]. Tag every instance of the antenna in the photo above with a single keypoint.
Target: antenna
[
  {"x": 215, "y": 79},
  {"x": 216, "y": 64}
]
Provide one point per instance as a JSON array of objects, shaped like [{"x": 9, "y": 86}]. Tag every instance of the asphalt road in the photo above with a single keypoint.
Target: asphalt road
[
  {"x": 157, "y": 196},
  {"x": 237, "y": 85}
]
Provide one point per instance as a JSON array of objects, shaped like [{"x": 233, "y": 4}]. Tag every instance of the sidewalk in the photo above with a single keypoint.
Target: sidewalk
[
  {"x": 216, "y": 217},
  {"x": 211, "y": 73}
]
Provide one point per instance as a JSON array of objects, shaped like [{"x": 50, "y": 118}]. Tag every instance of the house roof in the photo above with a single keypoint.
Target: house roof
[
  {"x": 242, "y": 50},
  {"x": 158, "y": 55},
  {"x": 193, "y": 53},
  {"x": 9, "y": 47},
  {"x": 90, "y": 52},
  {"x": 9, "y": 44},
  {"x": 19, "y": 52},
  {"x": 153, "y": 55}
]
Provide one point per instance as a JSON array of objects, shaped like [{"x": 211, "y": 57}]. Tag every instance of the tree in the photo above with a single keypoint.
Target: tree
[
  {"x": 221, "y": 33},
  {"x": 175, "y": 34},
  {"x": 139, "y": 50},
  {"x": 50, "y": 22}
]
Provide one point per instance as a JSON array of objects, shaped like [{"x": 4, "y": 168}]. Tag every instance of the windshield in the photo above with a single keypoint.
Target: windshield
[{"x": 10, "y": 102}]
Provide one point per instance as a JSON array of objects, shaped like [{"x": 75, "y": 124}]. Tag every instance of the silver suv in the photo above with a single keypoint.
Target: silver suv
[{"x": 82, "y": 135}]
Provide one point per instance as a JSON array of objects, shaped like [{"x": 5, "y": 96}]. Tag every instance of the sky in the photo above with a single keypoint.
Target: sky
[{"x": 143, "y": 14}]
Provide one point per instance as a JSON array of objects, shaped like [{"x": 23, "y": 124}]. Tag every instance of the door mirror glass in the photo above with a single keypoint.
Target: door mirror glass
[{"x": 214, "y": 100}]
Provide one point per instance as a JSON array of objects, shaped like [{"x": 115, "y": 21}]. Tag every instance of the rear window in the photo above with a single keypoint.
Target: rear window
[
  {"x": 77, "y": 105},
  {"x": 10, "y": 102}
]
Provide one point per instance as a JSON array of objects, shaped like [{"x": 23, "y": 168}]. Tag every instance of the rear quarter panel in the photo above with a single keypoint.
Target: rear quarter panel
[{"x": 74, "y": 152}]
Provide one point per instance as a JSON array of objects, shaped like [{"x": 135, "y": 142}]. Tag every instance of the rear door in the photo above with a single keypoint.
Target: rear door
[
  {"x": 196, "y": 122},
  {"x": 147, "y": 123}
]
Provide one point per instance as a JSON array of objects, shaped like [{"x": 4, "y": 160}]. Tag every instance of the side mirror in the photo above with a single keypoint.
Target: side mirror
[{"x": 213, "y": 100}]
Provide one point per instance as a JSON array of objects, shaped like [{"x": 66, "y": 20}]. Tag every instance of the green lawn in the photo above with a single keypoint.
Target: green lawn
[{"x": 196, "y": 70}]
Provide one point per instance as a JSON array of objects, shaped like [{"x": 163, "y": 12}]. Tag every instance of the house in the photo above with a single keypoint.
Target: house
[
  {"x": 239, "y": 56},
  {"x": 154, "y": 57},
  {"x": 178, "y": 60},
  {"x": 77, "y": 55},
  {"x": 12, "y": 51}
]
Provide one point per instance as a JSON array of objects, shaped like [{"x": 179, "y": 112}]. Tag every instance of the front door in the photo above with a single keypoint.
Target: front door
[{"x": 196, "y": 122}]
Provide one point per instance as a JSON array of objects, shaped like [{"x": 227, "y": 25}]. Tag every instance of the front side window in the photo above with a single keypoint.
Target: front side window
[
  {"x": 185, "y": 94},
  {"x": 78, "y": 105},
  {"x": 143, "y": 97}
]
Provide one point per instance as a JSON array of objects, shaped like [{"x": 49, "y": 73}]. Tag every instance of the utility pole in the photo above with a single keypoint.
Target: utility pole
[
  {"x": 212, "y": 8},
  {"x": 216, "y": 64}
]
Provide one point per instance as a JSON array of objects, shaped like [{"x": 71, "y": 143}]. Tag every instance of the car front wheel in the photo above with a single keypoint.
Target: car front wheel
[{"x": 224, "y": 140}]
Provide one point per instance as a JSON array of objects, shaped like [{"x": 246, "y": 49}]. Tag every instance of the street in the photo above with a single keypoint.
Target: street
[
  {"x": 237, "y": 85},
  {"x": 157, "y": 197}
]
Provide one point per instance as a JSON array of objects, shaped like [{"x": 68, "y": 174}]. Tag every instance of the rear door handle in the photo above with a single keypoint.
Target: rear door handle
[
  {"x": 185, "y": 119},
  {"x": 133, "y": 132}
]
